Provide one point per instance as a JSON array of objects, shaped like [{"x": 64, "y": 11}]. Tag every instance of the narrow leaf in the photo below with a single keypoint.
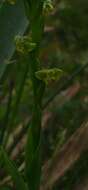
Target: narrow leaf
[
  {"x": 13, "y": 171},
  {"x": 15, "y": 22}
]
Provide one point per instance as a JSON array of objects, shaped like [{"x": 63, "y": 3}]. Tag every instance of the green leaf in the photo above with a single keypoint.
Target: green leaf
[
  {"x": 13, "y": 171},
  {"x": 5, "y": 188},
  {"x": 15, "y": 22}
]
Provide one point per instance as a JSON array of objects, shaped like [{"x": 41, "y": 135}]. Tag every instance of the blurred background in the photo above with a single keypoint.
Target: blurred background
[{"x": 65, "y": 105}]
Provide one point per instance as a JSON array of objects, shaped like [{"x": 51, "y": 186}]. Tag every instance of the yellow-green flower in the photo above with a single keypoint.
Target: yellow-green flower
[
  {"x": 12, "y": 2},
  {"x": 24, "y": 44},
  {"x": 47, "y": 7},
  {"x": 48, "y": 75}
]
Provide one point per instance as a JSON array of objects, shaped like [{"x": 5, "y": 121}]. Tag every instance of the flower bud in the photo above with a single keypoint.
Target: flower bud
[
  {"x": 24, "y": 44},
  {"x": 12, "y": 2},
  {"x": 47, "y": 7}
]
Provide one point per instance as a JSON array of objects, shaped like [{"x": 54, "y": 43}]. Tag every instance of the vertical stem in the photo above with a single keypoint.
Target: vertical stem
[
  {"x": 8, "y": 111},
  {"x": 17, "y": 101},
  {"x": 33, "y": 145}
]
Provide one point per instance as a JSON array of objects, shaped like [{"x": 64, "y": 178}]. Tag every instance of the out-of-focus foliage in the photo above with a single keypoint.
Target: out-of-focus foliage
[
  {"x": 65, "y": 46},
  {"x": 12, "y": 22}
]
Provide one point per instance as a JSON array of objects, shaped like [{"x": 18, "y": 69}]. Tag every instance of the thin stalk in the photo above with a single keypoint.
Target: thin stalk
[
  {"x": 33, "y": 146},
  {"x": 8, "y": 112},
  {"x": 17, "y": 101}
]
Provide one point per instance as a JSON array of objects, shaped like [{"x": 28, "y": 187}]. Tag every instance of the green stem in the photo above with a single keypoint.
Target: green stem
[
  {"x": 33, "y": 145},
  {"x": 8, "y": 111},
  {"x": 17, "y": 101}
]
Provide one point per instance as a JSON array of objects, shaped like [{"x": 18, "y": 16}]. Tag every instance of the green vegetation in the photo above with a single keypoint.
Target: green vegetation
[{"x": 43, "y": 93}]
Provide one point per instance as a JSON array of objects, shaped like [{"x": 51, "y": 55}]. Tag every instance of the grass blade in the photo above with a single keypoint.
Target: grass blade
[{"x": 13, "y": 171}]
